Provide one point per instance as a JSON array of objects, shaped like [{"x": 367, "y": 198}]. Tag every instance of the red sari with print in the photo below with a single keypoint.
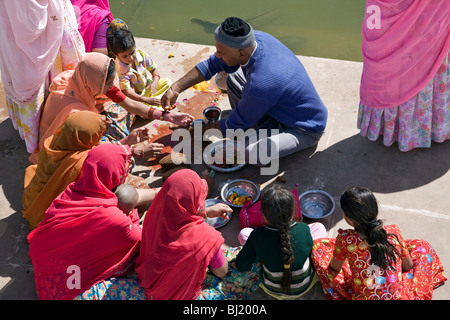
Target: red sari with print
[{"x": 359, "y": 279}]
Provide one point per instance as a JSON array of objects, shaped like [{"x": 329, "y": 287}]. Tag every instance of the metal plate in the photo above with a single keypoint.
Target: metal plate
[{"x": 216, "y": 222}]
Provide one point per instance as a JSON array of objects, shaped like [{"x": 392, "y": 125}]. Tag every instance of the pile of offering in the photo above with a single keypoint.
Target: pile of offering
[
  {"x": 223, "y": 156},
  {"x": 238, "y": 192},
  {"x": 239, "y": 201},
  {"x": 228, "y": 161}
]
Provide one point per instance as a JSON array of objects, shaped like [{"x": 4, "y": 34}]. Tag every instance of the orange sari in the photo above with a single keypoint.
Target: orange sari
[
  {"x": 59, "y": 163},
  {"x": 72, "y": 91}
]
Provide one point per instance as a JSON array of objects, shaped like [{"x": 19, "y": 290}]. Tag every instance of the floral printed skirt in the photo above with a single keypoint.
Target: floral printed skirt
[
  {"x": 118, "y": 123},
  {"x": 235, "y": 286},
  {"x": 115, "y": 289},
  {"x": 426, "y": 274},
  {"x": 417, "y": 122},
  {"x": 26, "y": 117}
]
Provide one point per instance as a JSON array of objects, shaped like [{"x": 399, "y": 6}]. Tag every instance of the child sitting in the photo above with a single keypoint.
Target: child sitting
[
  {"x": 372, "y": 261},
  {"x": 283, "y": 247},
  {"x": 138, "y": 76},
  {"x": 127, "y": 197}
]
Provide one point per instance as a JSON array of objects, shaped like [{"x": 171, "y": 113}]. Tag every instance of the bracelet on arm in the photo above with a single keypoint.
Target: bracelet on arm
[
  {"x": 150, "y": 113},
  {"x": 162, "y": 115},
  {"x": 133, "y": 152}
]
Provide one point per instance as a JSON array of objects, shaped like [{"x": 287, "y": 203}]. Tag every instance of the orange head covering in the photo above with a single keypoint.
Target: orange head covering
[
  {"x": 59, "y": 163},
  {"x": 72, "y": 91}
]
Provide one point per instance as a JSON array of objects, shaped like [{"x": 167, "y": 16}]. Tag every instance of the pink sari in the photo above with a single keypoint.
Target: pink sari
[
  {"x": 403, "y": 53},
  {"x": 91, "y": 13},
  {"x": 85, "y": 238},
  {"x": 71, "y": 91},
  {"x": 177, "y": 245}
]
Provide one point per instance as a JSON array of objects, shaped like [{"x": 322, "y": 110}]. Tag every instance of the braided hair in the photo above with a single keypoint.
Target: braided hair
[
  {"x": 277, "y": 206},
  {"x": 360, "y": 205}
]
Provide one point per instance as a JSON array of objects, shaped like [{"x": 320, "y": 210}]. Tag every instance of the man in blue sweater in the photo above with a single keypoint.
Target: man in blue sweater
[{"x": 268, "y": 88}]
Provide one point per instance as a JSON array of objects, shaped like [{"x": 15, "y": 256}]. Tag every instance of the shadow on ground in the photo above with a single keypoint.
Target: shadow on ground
[
  {"x": 16, "y": 271},
  {"x": 351, "y": 161}
]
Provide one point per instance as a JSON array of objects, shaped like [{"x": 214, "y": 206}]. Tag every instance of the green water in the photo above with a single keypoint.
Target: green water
[{"x": 319, "y": 28}]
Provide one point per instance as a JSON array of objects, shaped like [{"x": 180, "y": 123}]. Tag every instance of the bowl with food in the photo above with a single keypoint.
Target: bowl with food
[
  {"x": 238, "y": 192},
  {"x": 224, "y": 156},
  {"x": 212, "y": 114}
]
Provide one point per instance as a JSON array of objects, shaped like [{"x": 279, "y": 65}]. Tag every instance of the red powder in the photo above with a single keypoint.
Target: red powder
[
  {"x": 200, "y": 101},
  {"x": 194, "y": 106}
]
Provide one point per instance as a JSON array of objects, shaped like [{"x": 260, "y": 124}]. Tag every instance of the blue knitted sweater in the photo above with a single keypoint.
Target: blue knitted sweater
[{"x": 277, "y": 85}]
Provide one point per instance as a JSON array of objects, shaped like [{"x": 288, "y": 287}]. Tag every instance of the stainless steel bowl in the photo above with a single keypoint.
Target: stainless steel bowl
[
  {"x": 216, "y": 222},
  {"x": 241, "y": 187},
  {"x": 316, "y": 204},
  {"x": 221, "y": 81},
  {"x": 228, "y": 151},
  {"x": 212, "y": 114}
]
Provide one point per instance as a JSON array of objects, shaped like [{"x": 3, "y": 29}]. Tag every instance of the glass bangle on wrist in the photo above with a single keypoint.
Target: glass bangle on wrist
[{"x": 150, "y": 113}]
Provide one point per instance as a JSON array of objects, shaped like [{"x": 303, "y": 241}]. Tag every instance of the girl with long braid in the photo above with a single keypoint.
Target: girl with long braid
[
  {"x": 373, "y": 261},
  {"x": 283, "y": 247}
]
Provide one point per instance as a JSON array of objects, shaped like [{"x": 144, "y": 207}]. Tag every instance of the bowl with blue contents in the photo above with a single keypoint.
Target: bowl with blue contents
[{"x": 316, "y": 204}]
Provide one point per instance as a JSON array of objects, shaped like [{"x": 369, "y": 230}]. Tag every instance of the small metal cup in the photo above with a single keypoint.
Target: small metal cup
[{"x": 212, "y": 114}]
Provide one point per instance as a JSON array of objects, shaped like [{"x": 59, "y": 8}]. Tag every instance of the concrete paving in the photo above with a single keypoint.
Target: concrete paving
[{"x": 412, "y": 188}]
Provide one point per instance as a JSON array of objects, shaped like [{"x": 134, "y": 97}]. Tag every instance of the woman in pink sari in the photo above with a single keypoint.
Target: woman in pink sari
[
  {"x": 39, "y": 40},
  {"x": 178, "y": 247},
  {"x": 405, "y": 81},
  {"x": 76, "y": 90},
  {"x": 94, "y": 17},
  {"x": 85, "y": 238}
]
